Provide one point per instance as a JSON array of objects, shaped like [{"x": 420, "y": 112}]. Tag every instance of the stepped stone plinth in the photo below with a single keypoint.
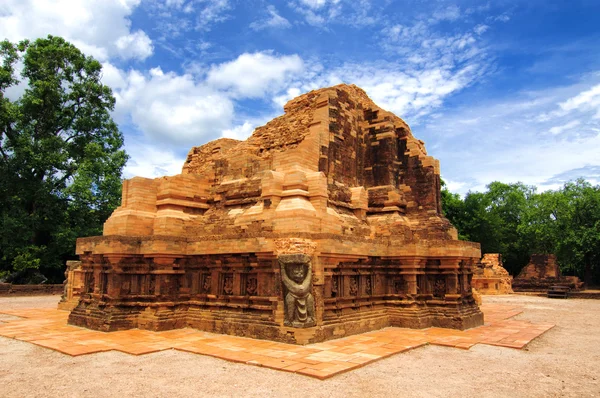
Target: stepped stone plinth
[{"x": 326, "y": 222}]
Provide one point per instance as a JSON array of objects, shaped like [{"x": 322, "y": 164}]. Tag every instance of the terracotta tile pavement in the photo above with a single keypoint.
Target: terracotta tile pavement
[{"x": 48, "y": 328}]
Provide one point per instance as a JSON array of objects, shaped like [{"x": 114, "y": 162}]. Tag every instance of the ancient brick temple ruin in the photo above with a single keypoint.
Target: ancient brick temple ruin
[
  {"x": 490, "y": 276},
  {"x": 541, "y": 272},
  {"x": 73, "y": 287},
  {"x": 326, "y": 222}
]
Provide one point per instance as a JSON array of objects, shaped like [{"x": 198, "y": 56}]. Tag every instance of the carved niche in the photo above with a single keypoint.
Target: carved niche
[
  {"x": 439, "y": 287},
  {"x": 206, "y": 283},
  {"x": 296, "y": 275},
  {"x": 251, "y": 285},
  {"x": 228, "y": 284}
]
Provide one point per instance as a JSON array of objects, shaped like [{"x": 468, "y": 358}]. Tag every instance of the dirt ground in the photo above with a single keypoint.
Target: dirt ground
[{"x": 564, "y": 362}]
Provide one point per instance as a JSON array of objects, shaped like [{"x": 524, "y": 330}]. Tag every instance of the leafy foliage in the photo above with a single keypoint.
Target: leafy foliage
[
  {"x": 516, "y": 221},
  {"x": 60, "y": 154}
]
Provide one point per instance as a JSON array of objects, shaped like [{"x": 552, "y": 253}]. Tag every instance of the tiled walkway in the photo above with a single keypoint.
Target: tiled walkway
[{"x": 48, "y": 328}]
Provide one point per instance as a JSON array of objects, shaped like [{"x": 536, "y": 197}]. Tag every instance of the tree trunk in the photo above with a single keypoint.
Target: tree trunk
[{"x": 587, "y": 273}]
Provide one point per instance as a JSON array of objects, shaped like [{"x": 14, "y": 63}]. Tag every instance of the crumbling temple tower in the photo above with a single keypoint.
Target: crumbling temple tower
[{"x": 325, "y": 222}]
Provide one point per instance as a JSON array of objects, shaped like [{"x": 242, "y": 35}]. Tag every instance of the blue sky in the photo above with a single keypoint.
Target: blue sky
[{"x": 503, "y": 90}]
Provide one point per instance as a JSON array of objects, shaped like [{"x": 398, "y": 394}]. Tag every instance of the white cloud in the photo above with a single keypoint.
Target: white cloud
[
  {"x": 588, "y": 100},
  {"x": 100, "y": 28},
  {"x": 113, "y": 77},
  {"x": 240, "y": 132},
  {"x": 421, "y": 46},
  {"x": 433, "y": 65},
  {"x": 507, "y": 140},
  {"x": 171, "y": 111},
  {"x": 481, "y": 29},
  {"x": 454, "y": 186},
  {"x": 136, "y": 45},
  {"x": 320, "y": 12},
  {"x": 316, "y": 4},
  {"x": 273, "y": 21},
  {"x": 406, "y": 94},
  {"x": 150, "y": 161},
  {"x": 169, "y": 108},
  {"x": 253, "y": 75},
  {"x": 182, "y": 110},
  {"x": 212, "y": 11},
  {"x": 172, "y": 18},
  {"x": 314, "y": 18},
  {"x": 502, "y": 18},
  {"x": 565, "y": 127},
  {"x": 410, "y": 93},
  {"x": 290, "y": 93},
  {"x": 450, "y": 13}
]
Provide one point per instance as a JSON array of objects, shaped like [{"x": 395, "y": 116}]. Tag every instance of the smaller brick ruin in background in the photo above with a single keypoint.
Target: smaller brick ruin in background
[
  {"x": 490, "y": 277},
  {"x": 73, "y": 286},
  {"x": 541, "y": 273}
]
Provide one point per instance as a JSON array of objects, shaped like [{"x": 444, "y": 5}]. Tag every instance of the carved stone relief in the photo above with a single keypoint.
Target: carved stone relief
[
  {"x": 206, "y": 282},
  {"x": 296, "y": 275},
  {"x": 439, "y": 287},
  {"x": 334, "y": 286},
  {"x": 251, "y": 286},
  {"x": 354, "y": 285},
  {"x": 228, "y": 284}
]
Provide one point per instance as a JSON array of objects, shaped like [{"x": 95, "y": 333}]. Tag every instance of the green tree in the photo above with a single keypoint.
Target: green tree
[
  {"x": 578, "y": 235},
  {"x": 492, "y": 218},
  {"x": 453, "y": 208},
  {"x": 566, "y": 222},
  {"x": 508, "y": 205},
  {"x": 60, "y": 154},
  {"x": 514, "y": 220},
  {"x": 544, "y": 214}
]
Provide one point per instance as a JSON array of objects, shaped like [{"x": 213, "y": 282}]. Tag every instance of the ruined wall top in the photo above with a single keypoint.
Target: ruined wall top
[
  {"x": 493, "y": 263},
  {"x": 333, "y": 163},
  {"x": 287, "y": 131}
]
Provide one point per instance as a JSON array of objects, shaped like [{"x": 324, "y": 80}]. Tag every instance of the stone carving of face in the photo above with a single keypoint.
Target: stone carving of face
[{"x": 296, "y": 272}]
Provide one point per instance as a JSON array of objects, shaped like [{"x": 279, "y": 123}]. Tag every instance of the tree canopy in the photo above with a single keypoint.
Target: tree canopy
[
  {"x": 60, "y": 154},
  {"x": 517, "y": 221}
]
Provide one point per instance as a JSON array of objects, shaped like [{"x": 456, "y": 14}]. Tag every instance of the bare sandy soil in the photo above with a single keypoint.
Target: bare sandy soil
[{"x": 564, "y": 362}]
